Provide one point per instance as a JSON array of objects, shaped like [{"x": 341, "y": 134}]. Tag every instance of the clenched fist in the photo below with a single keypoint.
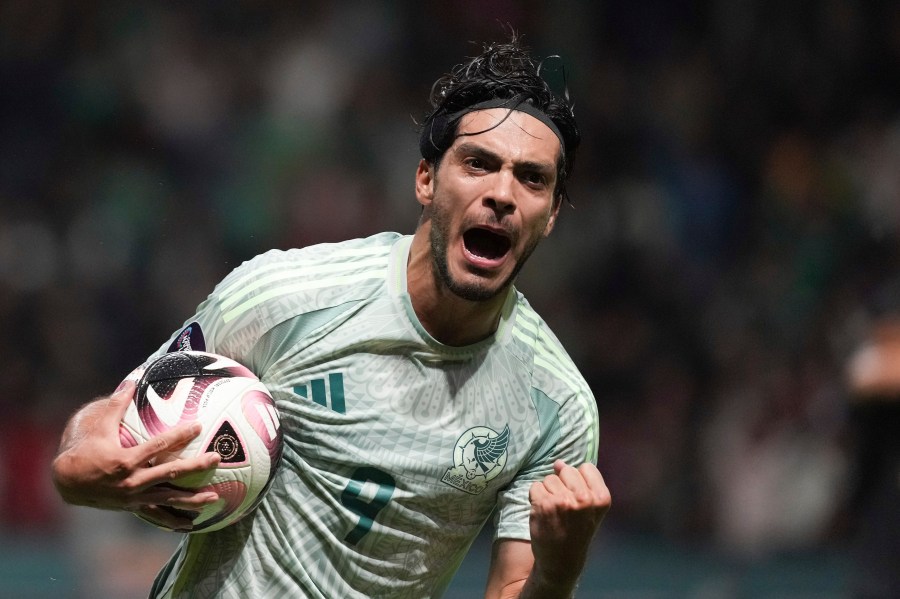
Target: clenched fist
[{"x": 566, "y": 510}]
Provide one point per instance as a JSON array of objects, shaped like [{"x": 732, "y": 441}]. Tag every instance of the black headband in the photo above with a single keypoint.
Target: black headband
[{"x": 519, "y": 103}]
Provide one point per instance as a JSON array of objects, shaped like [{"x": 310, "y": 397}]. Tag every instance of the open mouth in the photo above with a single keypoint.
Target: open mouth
[{"x": 486, "y": 244}]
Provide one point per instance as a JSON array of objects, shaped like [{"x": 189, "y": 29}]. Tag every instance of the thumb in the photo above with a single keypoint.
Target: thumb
[
  {"x": 559, "y": 466},
  {"x": 119, "y": 401}
]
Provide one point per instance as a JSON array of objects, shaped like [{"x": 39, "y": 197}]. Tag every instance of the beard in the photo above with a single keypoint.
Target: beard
[{"x": 473, "y": 292}]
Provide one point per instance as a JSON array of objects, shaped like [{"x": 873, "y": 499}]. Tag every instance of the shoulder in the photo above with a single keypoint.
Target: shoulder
[
  {"x": 316, "y": 259},
  {"x": 561, "y": 396},
  {"x": 299, "y": 286},
  {"x": 281, "y": 285},
  {"x": 307, "y": 276},
  {"x": 554, "y": 373}
]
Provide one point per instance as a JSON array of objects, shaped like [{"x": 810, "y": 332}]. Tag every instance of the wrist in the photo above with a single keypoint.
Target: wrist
[{"x": 543, "y": 584}]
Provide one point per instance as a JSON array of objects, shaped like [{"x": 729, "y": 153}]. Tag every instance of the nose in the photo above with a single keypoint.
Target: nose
[{"x": 501, "y": 197}]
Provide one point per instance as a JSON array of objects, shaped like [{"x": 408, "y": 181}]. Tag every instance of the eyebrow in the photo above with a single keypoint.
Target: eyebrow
[{"x": 473, "y": 149}]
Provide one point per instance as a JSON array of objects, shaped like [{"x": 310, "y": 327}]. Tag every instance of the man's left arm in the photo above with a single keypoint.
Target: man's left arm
[{"x": 566, "y": 510}]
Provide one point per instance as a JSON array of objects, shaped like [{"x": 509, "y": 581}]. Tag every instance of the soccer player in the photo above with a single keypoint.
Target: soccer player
[{"x": 419, "y": 392}]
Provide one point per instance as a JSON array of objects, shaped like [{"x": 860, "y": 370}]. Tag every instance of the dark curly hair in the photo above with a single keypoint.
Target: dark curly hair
[{"x": 503, "y": 71}]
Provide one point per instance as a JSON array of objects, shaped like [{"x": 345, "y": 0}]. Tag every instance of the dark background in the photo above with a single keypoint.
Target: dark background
[{"x": 733, "y": 235}]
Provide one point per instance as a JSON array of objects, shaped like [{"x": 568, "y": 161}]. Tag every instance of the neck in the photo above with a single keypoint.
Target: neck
[{"x": 447, "y": 317}]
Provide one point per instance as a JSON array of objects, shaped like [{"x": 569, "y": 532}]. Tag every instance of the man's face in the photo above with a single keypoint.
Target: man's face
[{"x": 491, "y": 201}]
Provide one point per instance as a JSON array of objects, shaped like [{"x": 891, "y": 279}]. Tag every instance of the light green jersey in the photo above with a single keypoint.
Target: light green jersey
[{"x": 397, "y": 448}]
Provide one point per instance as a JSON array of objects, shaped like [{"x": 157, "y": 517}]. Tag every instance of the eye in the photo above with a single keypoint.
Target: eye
[
  {"x": 534, "y": 178},
  {"x": 475, "y": 163}
]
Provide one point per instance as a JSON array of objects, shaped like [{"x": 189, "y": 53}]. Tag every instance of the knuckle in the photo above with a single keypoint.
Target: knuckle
[
  {"x": 606, "y": 500},
  {"x": 129, "y": 485},
  {"x": 583, "y": 497},
  {"x": 119, "y": 468}
]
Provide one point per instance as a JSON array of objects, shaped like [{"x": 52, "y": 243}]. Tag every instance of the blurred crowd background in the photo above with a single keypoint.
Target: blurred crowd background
[{"x": 733, "y": 237}]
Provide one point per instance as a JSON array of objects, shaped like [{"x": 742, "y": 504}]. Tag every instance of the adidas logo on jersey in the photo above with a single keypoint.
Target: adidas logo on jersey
[{"x": 330, "y": 395}]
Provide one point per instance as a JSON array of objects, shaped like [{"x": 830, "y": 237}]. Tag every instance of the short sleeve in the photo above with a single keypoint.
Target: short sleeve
[{"x": 569, "y": 432}]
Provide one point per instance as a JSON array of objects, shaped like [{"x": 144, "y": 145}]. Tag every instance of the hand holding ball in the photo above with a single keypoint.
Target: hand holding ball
[{"x": 240, "y": 423}]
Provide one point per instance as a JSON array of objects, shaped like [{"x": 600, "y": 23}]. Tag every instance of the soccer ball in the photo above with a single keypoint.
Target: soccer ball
[{"x": 239, "y": 420}]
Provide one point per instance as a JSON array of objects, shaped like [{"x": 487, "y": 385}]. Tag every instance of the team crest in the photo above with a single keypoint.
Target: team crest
[{"x": 479, "y": 456}]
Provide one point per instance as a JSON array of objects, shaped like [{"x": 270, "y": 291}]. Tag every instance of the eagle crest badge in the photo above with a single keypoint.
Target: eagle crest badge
[{"x": 479, "y": 456}]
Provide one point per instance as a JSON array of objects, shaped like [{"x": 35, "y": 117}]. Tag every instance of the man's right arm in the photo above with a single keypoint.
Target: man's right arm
[{"x": 93, "y": 469}]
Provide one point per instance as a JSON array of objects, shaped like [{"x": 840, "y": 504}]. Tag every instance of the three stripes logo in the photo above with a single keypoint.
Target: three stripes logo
[{"x": 328, "y": 394}]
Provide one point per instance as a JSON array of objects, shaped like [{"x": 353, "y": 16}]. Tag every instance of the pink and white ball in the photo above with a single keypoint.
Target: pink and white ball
[{"x": 239, "y": 419}]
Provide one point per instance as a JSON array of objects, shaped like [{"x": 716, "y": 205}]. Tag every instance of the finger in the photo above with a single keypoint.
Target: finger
[
  {"x": 575, "y": 483},
  {"x": 537, "y": 493},
  {"x": 593, "y": 478},
  {"x": 117, "y": 403},
  {"x": 172, "y": 470},
  {"x": 554, "y": 485},
  {"x": 175, "y": 469},
  {"x": 195, "y": 502},
  {"x": 183, "y": 499},
  {"x": 168, "y": 442},
  {"x": 164, "y": 518},
  {"x": 126, "y": 384}
]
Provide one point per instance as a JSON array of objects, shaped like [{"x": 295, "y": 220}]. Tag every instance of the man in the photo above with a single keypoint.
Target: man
[
  {"x": 873, "y": 385},
  {"x": 419, "y": 392}
]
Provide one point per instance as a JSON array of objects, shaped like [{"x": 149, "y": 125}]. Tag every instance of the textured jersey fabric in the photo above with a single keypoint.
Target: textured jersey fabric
[{"x": 398, "y": 449}]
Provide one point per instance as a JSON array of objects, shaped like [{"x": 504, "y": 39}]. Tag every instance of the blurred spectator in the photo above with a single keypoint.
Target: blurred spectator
[{"x": 874, "y": 385}]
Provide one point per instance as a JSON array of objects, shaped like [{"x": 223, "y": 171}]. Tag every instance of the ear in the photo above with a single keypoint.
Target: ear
[
  {"x": 425, "y": 182},
  {"x": 554, "y": 213}
]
